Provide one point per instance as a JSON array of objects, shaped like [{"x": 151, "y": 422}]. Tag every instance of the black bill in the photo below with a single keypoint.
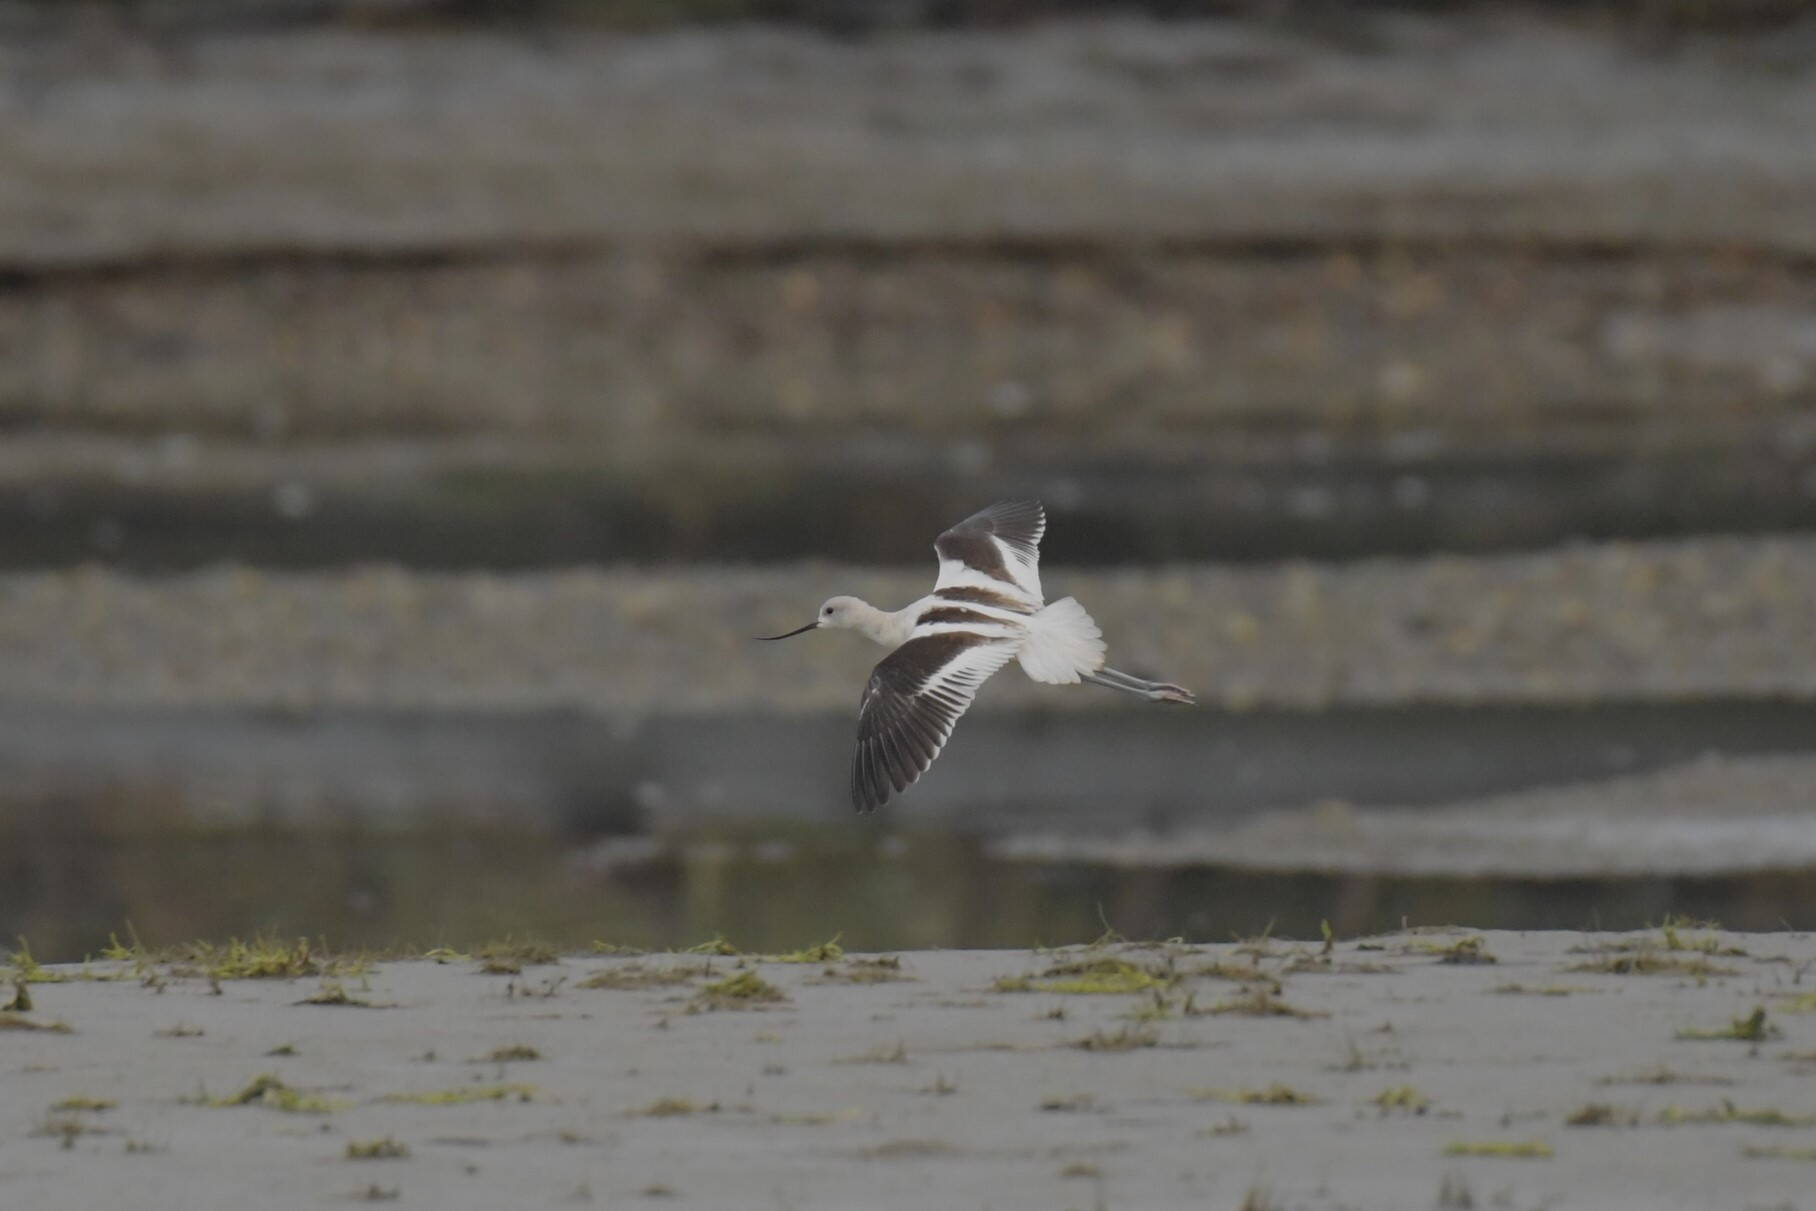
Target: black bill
[{"x": 810, "y": 626}]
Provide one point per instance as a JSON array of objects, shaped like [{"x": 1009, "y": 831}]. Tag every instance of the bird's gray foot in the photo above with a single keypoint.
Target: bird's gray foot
[{"x": 1153, "y": 691}]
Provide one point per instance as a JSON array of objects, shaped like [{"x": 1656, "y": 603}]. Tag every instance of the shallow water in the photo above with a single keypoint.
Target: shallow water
[
  {"x": 115, "y": 771},
  {"x": 880, "y": 891},
  {"x": 420, "y": 830}
]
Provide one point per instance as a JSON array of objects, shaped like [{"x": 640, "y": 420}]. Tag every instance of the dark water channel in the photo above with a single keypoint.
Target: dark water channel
[
  {"x": 419, "y": 830},
  {"x": 1106, "y": 513},
  {"x": 464, "y": 887}
]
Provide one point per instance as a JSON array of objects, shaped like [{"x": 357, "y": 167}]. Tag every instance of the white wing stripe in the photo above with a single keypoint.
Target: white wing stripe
[{"x": 995, "y": 549}]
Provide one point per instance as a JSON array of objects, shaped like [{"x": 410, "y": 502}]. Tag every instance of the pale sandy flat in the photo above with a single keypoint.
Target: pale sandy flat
[{"x": 942, "y": 1090}]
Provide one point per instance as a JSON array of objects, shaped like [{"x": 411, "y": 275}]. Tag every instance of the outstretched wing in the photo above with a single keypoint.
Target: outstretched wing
[
  {"x": 911, "y": 705},
  {"x": 997, "y": 549}
]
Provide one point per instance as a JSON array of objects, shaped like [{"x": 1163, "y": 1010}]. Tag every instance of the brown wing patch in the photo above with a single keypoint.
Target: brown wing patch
[
  {"x": 952, "y": 614},
  {"x": 901, "y": 723},
  {"x": 1020, "y": 523},
  {"x": 976, "y": 552},
  {"x": 979, "y": 596},
  {"x": 911, "y": 666},
  {"x": 1017, "y": 523}
]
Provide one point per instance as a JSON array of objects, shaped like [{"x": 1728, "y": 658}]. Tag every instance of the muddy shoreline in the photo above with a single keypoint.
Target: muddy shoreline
[{"x": 1381, "y": 1073}]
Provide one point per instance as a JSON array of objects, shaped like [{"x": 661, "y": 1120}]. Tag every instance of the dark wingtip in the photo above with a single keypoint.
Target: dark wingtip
[{"x": 869, "y": 783}]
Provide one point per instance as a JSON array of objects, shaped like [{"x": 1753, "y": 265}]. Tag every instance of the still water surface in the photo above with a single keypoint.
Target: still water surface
[
  {"x": 425, "y": 830},
  {"x": 880, "y": 892}
]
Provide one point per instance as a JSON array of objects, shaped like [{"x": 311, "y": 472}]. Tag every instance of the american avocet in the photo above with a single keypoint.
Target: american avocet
[{"x": 986, "y": 609}]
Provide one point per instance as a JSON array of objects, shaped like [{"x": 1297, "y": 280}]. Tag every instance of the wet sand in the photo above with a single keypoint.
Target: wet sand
[{"x": 933, "y": 1084}]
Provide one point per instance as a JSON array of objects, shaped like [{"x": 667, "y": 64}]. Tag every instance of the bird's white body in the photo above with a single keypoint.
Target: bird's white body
[
  {"x": 1055, "y": 644},
  {"x": 985, "y": 610}
]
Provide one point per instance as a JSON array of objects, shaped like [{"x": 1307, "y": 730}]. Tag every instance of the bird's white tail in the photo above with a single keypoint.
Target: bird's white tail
[{"x": 1063, "y": 643}]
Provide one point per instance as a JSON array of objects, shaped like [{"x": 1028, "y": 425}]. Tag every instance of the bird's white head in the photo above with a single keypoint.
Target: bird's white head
[
  {"x": 845, "y": 614},
  {"x": 842, "y": 613}
]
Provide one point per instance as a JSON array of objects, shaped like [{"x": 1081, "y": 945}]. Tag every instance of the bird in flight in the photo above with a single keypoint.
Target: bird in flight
[{"x": 985, "y": 610}]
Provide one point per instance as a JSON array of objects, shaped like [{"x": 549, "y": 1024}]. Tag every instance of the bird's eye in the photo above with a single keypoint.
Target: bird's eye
[{"x": 827, "y": 611}]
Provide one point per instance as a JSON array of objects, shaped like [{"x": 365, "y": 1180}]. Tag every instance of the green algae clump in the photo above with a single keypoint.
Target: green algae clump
[
  {"x": 1275, "y": 1094},
  {"x": 740, "y": 991},
  {"x": 1099, "y": 976},
  {"x": 1531, "y": 1150},
  {"x": 1754, "y": 1028},
  {"x": 462, "y": 1095},
  {"x": 828, "y": 951},
  {"x": 1403, "y": 1099},
  {"x": 383, "y": 1149},
  {"x": 272, "y": 1093}
]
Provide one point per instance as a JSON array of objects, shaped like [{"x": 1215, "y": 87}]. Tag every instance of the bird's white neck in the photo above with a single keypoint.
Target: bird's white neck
[{"x": 881, "y": 626}]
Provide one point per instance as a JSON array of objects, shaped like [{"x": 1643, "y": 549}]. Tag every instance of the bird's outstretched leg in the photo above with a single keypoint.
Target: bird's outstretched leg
[{"x": 1153, "y": 691}]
